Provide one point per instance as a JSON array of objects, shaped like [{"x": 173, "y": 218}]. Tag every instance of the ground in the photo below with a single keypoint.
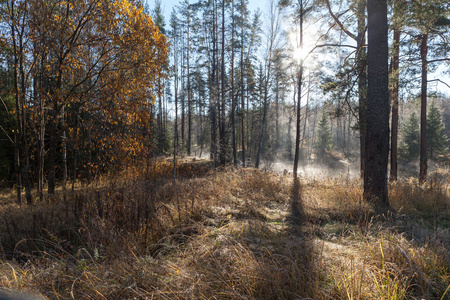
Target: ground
[{"x": 229, "y": 233}]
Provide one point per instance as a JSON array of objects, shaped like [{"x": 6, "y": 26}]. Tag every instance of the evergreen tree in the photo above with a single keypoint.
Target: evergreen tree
[
  {"x": 324, "y": 138},
  {"x": 409, "y": 146},
  {"x": 377, "y": 111},
  {"x": 436, "y": 137},
  {"x": 158, "y": 18}
]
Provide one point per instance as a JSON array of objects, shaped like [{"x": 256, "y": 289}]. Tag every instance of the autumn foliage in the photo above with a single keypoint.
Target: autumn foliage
[{"x": 82, "y": 75}]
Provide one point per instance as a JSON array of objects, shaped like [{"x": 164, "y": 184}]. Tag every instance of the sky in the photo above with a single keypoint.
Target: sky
[{"x": 168, "y": 5}]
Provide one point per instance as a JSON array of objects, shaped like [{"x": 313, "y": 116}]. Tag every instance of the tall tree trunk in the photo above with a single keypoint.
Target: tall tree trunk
[
  {"x": 17, "y": 137},
  {"x": 423, "y": 110},
  {"x": 233, "y": 99},
  {"x": 242, "y": 94},
  {"x": 362, "y": 79},
  {"x": 183, "y": 88},
  {"x": 213, "y": 89},
  {"x": 189, "y": 91},
  {"x": 52, "y": 149},
  {"x": 299, "y": 97},
  {"x": 159, "y": 119},
  {"x": 54, "y": 135},
  {"x": 394, "y": 100},
  {"x": 201, "y": 135},
  {"x": 41, "y": 143},
  {"x": 303, "y": 140},
  {"x": 222, "y": 93},
  {"x": 64, "y": 149},
  {"x": 377, "y": 132},
  {"x": 263, "y": 126},
  {"x": 20, "y": 138},
  {"x": 175, "y": 142},
  {"x": 277, "y": 112},
  {"x": 175, "y": 127},
  {"x": 25, "y": 159}
]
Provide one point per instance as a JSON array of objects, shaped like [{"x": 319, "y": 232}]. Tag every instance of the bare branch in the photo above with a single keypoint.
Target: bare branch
[
  {"x": 6, "y": 133},
  {"x": 438, "y": 80},
  {"x": 336, "y": 19},
  {"x": 438, "y": 60},
  {"x": 334, "y": 45}
]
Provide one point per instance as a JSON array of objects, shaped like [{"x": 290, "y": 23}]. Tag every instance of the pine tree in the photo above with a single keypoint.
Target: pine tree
[
  {"x": 409, "y": 146},
  {"x": 324, "y": 140},
  {"x": 377, "y": 122},
  {"x": 436, "y": 137},
  {"x": 429, "y": 18},
  {"x": 158, "y": 18}
]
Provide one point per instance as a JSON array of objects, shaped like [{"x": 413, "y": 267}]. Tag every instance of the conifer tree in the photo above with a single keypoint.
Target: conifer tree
[
  {"x": 409, "y": 146},
  {"x": 377, "y": 130},
  {"x": 324, "y": 140},
  {"x": 436, "y": 137}
]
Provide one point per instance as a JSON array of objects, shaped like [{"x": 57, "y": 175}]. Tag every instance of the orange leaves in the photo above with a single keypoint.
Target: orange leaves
[{"x": 100, "y": 61}]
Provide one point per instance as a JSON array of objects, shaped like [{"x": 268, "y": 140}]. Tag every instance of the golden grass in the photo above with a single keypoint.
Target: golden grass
[{"x": 229, "y": 234}]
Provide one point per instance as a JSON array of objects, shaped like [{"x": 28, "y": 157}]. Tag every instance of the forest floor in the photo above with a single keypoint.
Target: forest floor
[{"x": 232, "y": 233}]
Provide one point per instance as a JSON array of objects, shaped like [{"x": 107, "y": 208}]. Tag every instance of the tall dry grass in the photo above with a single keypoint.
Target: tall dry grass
[{"x": 228, "y": 234}]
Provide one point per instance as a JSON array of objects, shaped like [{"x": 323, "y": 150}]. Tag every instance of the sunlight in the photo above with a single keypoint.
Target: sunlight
[
  {"x": 310, "y": 39},
  {"x": 299, "y": 54}
]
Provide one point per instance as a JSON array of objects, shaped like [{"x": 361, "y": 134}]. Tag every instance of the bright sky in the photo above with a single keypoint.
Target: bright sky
[{"x": 168, "y": 6}]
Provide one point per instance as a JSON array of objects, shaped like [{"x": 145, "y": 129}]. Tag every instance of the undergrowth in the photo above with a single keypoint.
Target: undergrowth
[{"x": 227, "y": 234}]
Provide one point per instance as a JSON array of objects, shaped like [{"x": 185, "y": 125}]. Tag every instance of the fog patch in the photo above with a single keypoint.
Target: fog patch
[{"x": 313, "y": 169}]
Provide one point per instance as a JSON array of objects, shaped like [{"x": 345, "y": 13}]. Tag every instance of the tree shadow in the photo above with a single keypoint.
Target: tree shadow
[
  {"x": 268, "y": 257},
  {"x": 290, "y": 265},
  {"x": 297, "y": 216}
]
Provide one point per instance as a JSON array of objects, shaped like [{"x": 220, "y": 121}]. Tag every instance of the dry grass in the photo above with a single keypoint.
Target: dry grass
[{"x": 229, "y": 234}]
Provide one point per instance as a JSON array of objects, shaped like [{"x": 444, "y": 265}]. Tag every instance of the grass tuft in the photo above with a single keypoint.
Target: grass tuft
[{"x": 229, "y": 234}]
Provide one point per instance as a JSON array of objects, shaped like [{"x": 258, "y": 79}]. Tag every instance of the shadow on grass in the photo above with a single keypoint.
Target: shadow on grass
[
  {"x": 297, "y": 209},
  {"x": 286, "y": 258},
  {"x": 246, "y": 251}
]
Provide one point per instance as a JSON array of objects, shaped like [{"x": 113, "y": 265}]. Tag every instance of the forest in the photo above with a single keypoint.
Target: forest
[{"x": 298, "y": 151}]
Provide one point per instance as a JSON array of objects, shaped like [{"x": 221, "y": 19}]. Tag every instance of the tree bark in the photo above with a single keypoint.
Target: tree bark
[
  {"x": 189, "y": 141},
  {"x": 213, "y": 89},
  {"x": 423, "y": 110},
  {"x": 233, "y": 99},
  {"x": 362, "y": 80},
  {"x": 242, "y": 91},
  {"x": 394, "y": 100},
  {"x": 377, "y": 132},
  {"x": 302, "y": 156},
  {"x": 223, "y": 143},
  {"x": 299, "y": 97}
]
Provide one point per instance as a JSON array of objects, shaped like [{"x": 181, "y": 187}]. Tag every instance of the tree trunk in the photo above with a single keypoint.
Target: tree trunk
[
  {"x": 189, "y": 141},
  {"x": 54, "y": 134},
  {"x": 394, "y": 96},
  {"x": 362, "y": 80},
  {"x": 263, "y": 126},
  {"x": 277, "y": 113},
  {"x": 64, "y": 149},
  {"x": 242, "y": 94},
  {"x": 159, "y": 119},
  {"x": 299, "y": 97},
  {"x": 41, "y": 146},
  {"x": 233, "y": 99},
  {"x": 213, "y": 90},
  {"x": 175, "y": 142},
  {"x": 52, "y": 149},
  {"x": 222, "y": 93},
  {"x": 423, "y": 111},
  {"x": 183, "y": 88},
  {"x": 306, "y": 118},
  {"x": 377, "y": 132}
]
